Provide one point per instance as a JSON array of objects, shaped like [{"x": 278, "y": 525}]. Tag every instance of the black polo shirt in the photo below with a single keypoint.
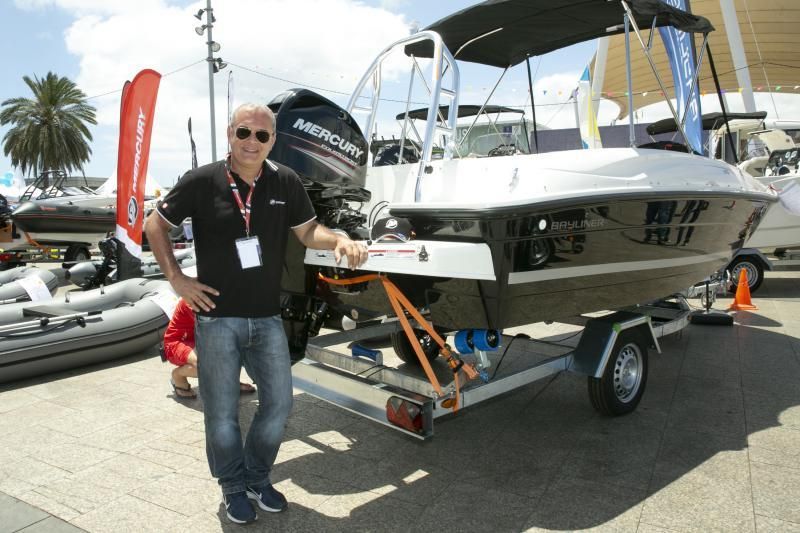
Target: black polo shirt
[{"x": 279, "y": 203}]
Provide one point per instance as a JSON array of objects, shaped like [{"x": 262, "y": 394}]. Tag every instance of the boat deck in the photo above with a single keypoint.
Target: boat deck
[{"x": 714, "y": 445}]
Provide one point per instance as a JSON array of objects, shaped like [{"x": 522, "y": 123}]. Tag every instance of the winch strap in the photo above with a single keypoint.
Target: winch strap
[{"x": 400, "y": 303}]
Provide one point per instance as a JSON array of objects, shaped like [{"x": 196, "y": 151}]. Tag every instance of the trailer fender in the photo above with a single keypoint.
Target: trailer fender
[
  {"x": 754, "y": 255},
  {"x": 599, "y": 336}
]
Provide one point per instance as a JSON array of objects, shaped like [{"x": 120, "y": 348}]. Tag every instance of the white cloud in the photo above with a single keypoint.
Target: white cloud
[
  {"x": 89, "y": 6},
  {"x": 322, "y": 43}
]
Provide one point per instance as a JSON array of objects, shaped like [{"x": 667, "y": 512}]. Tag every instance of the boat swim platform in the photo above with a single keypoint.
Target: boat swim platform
[{"x": 713, "y": 445}]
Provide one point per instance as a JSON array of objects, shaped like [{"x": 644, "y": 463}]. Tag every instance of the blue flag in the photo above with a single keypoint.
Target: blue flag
[{"x": 681, "y": 60}]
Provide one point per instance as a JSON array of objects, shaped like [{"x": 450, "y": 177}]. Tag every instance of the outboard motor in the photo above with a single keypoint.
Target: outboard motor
[{"x": 322, "y": 143}]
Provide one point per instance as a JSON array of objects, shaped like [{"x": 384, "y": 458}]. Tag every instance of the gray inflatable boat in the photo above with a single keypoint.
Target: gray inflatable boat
[
  {"x": 11, "y": 290},
  {"x": 82, "y": 328}
]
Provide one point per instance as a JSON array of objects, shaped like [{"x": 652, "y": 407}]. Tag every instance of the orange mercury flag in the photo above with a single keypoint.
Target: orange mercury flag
[{"x": 135, "y": 126}]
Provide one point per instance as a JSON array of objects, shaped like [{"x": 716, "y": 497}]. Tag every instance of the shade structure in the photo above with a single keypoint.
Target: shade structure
[{"x": 771, "y": 39}]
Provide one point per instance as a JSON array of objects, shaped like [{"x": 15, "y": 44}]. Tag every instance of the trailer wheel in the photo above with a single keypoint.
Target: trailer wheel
[
  {"x": 621, "y": 387},
  {"x": 754, "y": 269},
  {"x": 77, "y": 252},
  {"x": 404, "y": 350}
]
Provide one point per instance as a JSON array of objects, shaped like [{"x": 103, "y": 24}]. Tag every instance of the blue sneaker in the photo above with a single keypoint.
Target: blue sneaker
[
  {"x": 267, "y": 498},
  {"x": 238, "y": 508}
]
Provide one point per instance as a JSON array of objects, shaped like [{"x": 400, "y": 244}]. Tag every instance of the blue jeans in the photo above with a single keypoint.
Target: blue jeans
[{"x": 224, "y": 345}]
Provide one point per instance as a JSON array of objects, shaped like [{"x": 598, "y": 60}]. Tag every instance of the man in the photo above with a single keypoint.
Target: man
[{"x": 241, "y": 210}]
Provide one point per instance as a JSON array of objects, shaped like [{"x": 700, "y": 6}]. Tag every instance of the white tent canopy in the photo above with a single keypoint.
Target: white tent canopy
[
  {"x": 769, "y": 31},
  {"x": 12, "y": 185},
  {"x": 151, "y": 186}
]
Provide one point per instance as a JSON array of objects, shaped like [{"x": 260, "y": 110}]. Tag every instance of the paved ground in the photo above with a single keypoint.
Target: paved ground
[{"x": 714, "y": 446}]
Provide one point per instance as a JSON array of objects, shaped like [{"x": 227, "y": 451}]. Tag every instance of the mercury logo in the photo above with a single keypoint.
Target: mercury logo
[
  {"x": 391, "y": 223},
  {"x": 326, "y": 135},
  {"x": 133, "y": 211}
]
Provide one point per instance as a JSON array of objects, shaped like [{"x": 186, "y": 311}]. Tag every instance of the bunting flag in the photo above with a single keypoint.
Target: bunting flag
[
  {"x": 230, "y": 95},
  {"x": 590, "y": 133},
  {"x": 191, "y": 143},
  {"x": 230, "y": 101},
  {"x": 679, "y": 49},
  {"x": 136, "y": 125}
]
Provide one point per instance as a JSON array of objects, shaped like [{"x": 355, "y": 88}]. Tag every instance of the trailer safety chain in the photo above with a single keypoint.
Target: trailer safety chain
[{"x": 402, "y": 306}]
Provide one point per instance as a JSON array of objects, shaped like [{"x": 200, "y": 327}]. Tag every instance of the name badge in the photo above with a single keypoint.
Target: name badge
[{"x": 249, "y": 250}]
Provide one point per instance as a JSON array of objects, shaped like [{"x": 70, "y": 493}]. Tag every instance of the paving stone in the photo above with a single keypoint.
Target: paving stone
[
  {"x": 764, "y": 411},
  {"x": 16, "y": 515},
  {"x": 28, "y": 473},
  {"x": 119, "y": 438},
  {"x": 775, "y": 491},
  {"x": 591, "y": 505},
  {"x": 186, "y": 495},
  {"x": 129, "y": 514},
  {"x": 51, "y": 524},
  {"x": 74, "y": 456},
  {"x": 16, "y": 398},
  {"x": 48, "y": 505},
  {"x": 766, "y": 524},
  {"x": 701, "y": 500}
]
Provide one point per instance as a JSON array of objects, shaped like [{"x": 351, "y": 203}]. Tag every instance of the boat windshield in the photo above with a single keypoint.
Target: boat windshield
[{"x": 493, "y": 139}]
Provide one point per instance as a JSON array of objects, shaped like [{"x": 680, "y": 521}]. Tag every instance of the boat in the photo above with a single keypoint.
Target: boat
[
  {"x": 513, "y": 238},
  {"x": 780, "y": 228},
  {"x": 13, "y": 290},
  {"x": 766, "y": 152},
  {"x": 51, "y": 213},
  {"x": 81, "y": 328},
  {"x": 58, "y": 221}
]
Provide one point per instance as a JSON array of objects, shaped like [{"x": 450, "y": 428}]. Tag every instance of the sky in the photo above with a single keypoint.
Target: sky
[{"x": 269, "y": 46}]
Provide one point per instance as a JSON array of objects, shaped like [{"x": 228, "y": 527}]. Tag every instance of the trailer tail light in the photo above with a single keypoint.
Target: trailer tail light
[{"x": 404, "y": 414}]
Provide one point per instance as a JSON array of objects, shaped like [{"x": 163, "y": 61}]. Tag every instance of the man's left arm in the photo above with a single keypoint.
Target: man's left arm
[{"x": 318, "y": 237}]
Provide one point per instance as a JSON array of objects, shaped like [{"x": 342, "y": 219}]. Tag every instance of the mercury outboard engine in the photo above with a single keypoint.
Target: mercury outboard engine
[{"x": 322, "y": 143}]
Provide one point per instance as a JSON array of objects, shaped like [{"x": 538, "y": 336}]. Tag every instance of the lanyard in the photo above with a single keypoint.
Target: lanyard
[{"x": 244, "y": 207}]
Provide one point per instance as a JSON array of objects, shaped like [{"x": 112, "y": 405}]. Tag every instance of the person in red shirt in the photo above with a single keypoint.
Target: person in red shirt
[{"x": 179, "y": 350}]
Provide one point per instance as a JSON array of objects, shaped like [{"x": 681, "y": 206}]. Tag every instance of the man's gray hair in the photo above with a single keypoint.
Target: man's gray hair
[{"x": 253, "y": 107}]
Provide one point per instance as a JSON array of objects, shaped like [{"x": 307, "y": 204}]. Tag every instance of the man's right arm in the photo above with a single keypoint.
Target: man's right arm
[{"x": 191, "y": 290}]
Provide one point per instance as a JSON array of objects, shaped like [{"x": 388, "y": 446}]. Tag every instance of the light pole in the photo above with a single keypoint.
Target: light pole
[{"x": 214, "y": 66}]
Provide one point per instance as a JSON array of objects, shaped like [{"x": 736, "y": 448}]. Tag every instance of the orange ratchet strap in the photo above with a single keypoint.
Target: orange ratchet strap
[{"x": 401, "y": 306}]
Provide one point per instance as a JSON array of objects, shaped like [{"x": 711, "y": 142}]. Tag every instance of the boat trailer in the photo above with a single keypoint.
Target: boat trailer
[{"x": 611, "y": 350}]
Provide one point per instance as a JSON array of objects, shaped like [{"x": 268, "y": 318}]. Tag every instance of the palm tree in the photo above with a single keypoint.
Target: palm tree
[{"x": 49, "y": 131}]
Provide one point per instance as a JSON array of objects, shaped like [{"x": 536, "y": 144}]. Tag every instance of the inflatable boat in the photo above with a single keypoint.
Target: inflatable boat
[
  {"x": 12, "y": 290},
  {"x": 80, "y": 329}
]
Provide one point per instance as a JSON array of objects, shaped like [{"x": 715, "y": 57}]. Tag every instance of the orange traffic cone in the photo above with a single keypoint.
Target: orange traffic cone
[{"x": 742, "y": 300}]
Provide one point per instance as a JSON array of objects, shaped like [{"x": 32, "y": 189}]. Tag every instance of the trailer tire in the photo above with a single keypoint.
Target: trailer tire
[
  {"x": 404, "y": 350},
  {"x": 755, "y": 272},
  {"x": 622, "y": 385},
  {"x": 77, "y": 252}
]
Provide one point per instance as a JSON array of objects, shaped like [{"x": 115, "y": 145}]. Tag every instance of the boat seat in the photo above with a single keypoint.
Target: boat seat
[{"x": 47, "y": 311}]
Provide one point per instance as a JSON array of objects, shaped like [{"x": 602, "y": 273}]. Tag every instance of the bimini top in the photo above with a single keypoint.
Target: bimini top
[
  {"x": 502, "y": 33},
  {"x": 463, "y": 111},
  {"x": 711, "y": 121}
]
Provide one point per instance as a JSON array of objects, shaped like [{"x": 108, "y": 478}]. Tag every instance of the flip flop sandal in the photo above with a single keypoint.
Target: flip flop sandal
[
  {"x": 183, "y": 392},
  {"x": 245, "y": 388}
]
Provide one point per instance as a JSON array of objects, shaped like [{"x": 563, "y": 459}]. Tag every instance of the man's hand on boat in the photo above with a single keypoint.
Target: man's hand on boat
[
  {"x": 318, "y": 237},
  {"x": 355, "y": 252},
  {"x": 195, "y": 293}
]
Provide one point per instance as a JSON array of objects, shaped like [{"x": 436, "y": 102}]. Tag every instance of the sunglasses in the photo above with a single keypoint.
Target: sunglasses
[{"x": 243, "y": 132}]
